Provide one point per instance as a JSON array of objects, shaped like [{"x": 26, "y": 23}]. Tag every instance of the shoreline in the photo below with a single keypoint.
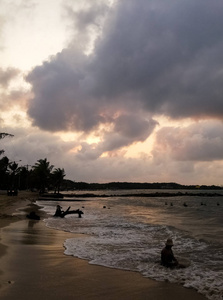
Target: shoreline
[
  {"x": 61, "y": 196},
  {"x": 33, "y": 264}
]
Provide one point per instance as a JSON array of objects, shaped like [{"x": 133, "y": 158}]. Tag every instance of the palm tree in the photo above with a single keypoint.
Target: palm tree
[
  {"x": 57, "y": 177},
  {"x": 41, "y": 174},
  {"x": 4, "y": 175},
  {"x": 14, "y": 177}
]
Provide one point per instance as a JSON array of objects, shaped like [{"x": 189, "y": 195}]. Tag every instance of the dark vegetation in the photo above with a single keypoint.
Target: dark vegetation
[
  {"x": 135, "y": 185},
  {"x": 41, "y": 176}
]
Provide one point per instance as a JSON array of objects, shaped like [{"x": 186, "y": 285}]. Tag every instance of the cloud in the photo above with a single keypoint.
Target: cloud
[
  {"x": 6, "y": 75},
  {"x": 199, "y": 142},
  {"x": 12, "y": 94},
  {"x": 127, "y": 130},
  {"x": 149, "y": 59},
  {"x": 14, "y": 99},
  {"x": 165, "y": 58},
  {"x": 31, "y": 145},
  {"x": 89, "y": 15},
  {"x": 126, "y": 67},
  {"x": 59, "y": 101}
]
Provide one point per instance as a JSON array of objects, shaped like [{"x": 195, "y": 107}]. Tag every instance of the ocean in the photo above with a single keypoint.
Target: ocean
[{"x": 129, "y": 233}]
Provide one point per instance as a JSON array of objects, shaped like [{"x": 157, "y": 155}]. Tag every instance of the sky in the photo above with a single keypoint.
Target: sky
[{"x": 119, "y": 90}]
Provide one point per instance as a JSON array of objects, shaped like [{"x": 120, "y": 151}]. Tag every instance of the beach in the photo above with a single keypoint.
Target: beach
[{"x": 33, "y": 264}]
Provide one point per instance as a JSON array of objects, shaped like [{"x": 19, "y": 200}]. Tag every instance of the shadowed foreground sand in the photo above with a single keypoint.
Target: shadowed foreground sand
[{"x": 33, "y": 266}]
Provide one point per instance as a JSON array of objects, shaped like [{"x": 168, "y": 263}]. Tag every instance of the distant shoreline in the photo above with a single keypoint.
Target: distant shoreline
[
  {"x": 157, "y": 194},
  {"x": 84, "y": 186}
]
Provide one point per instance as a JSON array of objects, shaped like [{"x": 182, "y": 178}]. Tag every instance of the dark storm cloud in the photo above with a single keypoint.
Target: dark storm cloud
[
  {"x": 59, "y": 102},
  {"x": 165, "y": 57},
  {"x": 133, "y": 127},
  {"x": 127, "y": 130},
  {"x": 166, "y": 54}
]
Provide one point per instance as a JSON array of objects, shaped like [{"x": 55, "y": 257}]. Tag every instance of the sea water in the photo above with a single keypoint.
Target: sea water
[{"x": 129, "y": 233}]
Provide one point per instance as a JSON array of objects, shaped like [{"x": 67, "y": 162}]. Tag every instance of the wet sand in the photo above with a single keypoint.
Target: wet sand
[{"x": 33, "y": 265}]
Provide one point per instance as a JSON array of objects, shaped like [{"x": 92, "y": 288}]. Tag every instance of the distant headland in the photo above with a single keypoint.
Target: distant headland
[
  {"x": 72, "y": 185},
  {"x": 143, "y": 190}
]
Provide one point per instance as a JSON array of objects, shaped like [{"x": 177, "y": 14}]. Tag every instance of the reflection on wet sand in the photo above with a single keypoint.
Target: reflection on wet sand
[{"x": 31, "y": 232}]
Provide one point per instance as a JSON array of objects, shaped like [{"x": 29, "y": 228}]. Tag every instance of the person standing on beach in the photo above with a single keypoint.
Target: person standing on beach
[{"x": 167, "y": 257}]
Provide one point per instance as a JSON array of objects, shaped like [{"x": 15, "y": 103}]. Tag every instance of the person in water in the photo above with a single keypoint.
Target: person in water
[
  {"x": 167, "y": 257},
  {"x": 58, "y": 212}
]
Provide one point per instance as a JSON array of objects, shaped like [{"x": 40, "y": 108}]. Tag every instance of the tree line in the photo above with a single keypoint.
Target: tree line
[{"x": 41, "y": 176}]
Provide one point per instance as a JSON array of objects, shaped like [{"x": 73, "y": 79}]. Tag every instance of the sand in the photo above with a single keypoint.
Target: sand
[{"x": 33, "y": 265}]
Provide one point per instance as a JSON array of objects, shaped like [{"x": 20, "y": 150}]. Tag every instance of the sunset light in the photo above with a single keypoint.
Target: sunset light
[{"x": 130, "y": 87}]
